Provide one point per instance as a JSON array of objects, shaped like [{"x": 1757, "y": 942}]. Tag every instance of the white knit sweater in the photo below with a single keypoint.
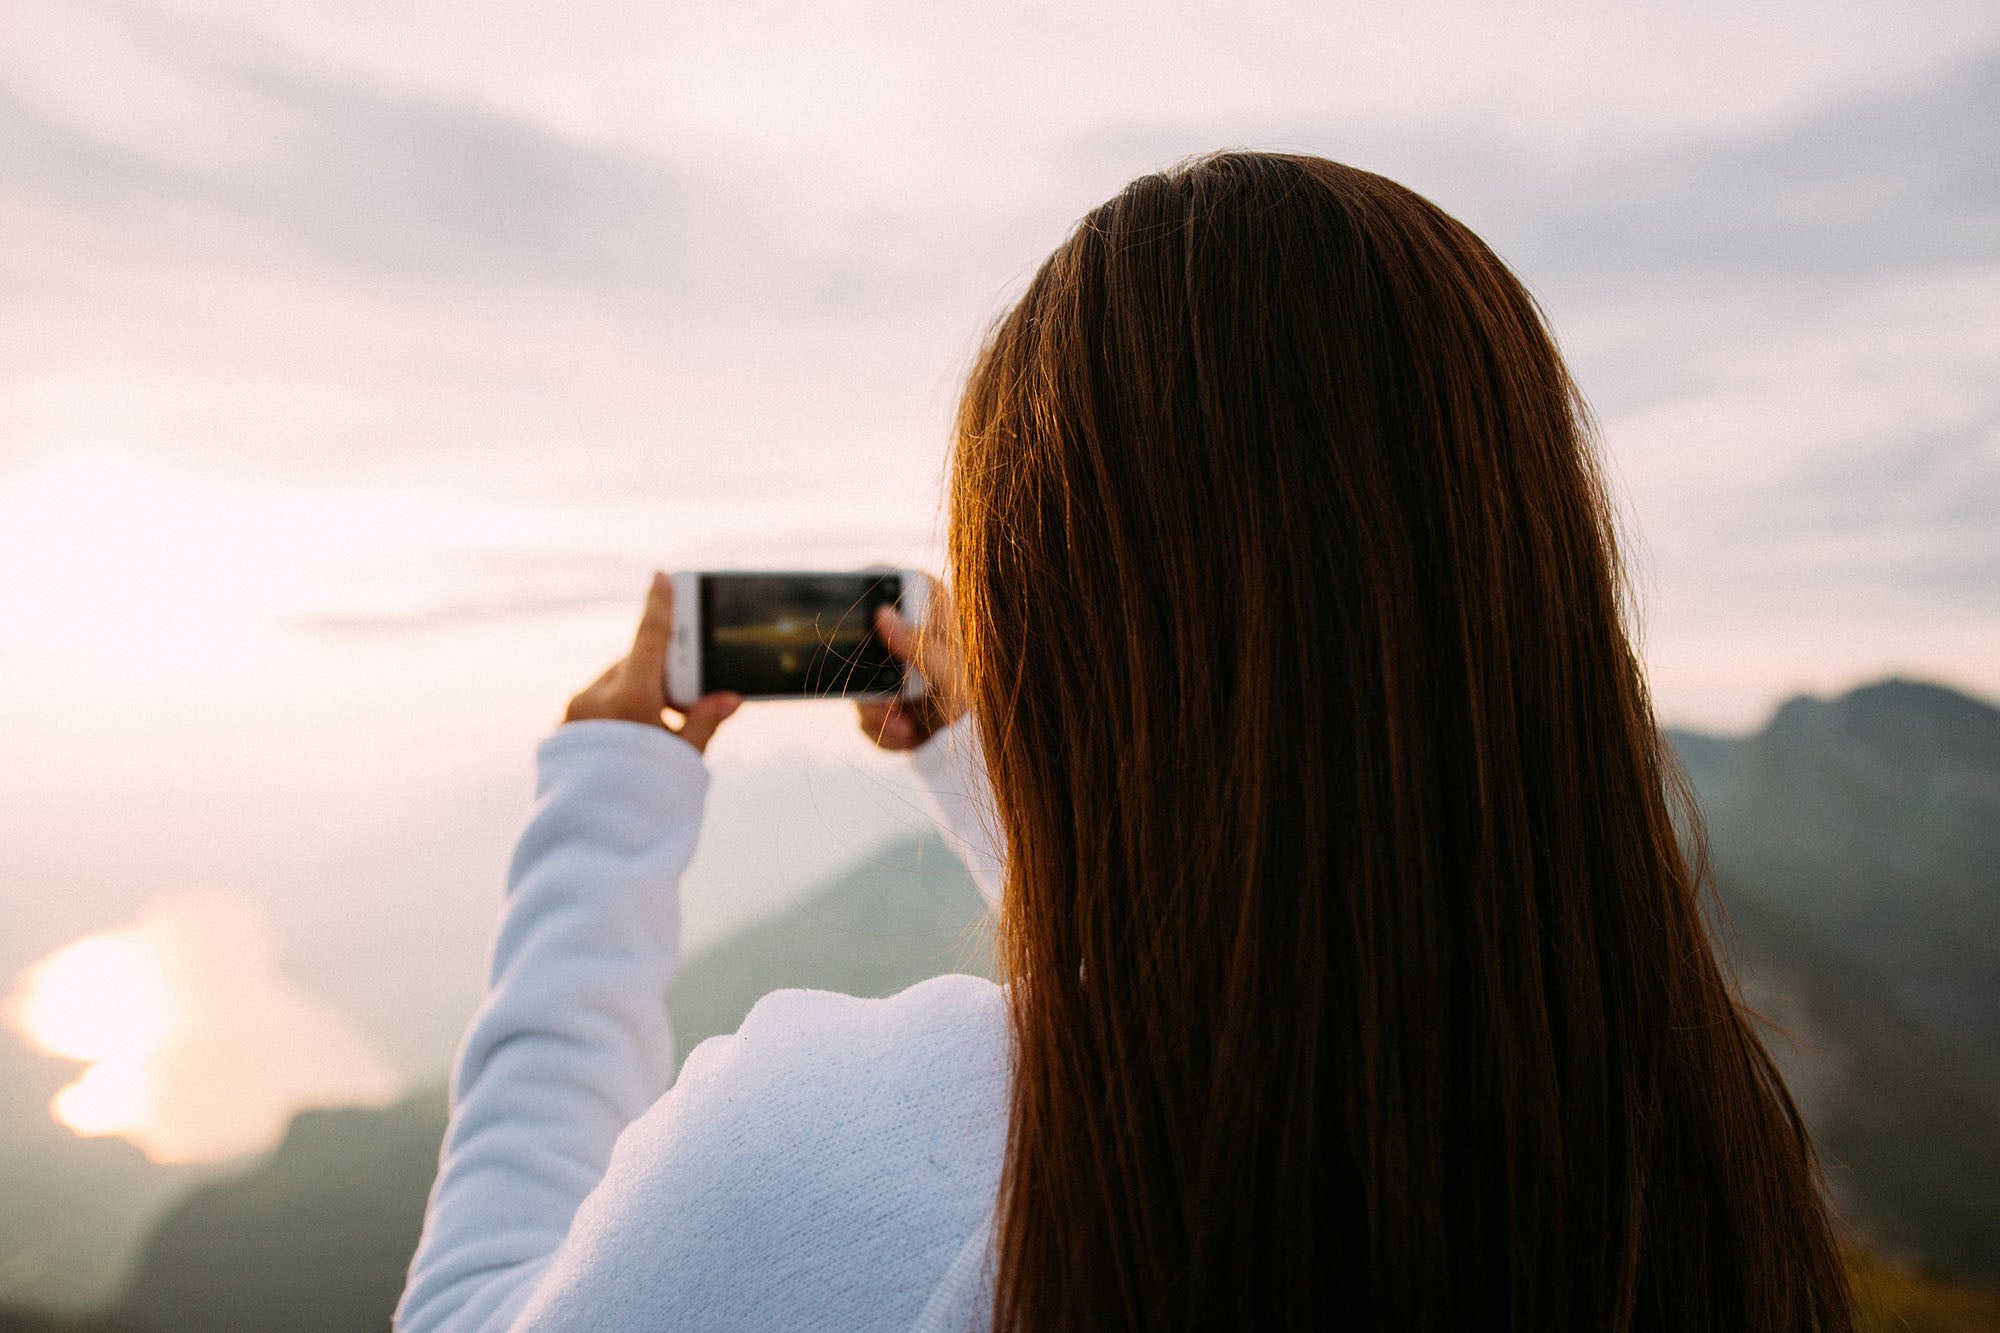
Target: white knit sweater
[{"x": 833, "y": 1165}]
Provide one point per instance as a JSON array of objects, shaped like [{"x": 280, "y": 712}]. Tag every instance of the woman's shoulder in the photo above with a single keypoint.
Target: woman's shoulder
[
  {"x": 888, "y": 1087},
  {"x": 935, "y": 1031},
  {"x": 828, "y": 1138},
  {"x": 821, "y": 1082}
]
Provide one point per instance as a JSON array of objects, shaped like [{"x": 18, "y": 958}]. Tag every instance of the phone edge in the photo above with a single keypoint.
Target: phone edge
[{"x": 683, "y": 674}]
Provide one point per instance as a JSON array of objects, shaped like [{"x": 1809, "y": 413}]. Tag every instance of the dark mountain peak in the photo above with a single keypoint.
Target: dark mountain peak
[
  {"x": 1895, "y": 718},
  {"x": 323, "y": 1133}
]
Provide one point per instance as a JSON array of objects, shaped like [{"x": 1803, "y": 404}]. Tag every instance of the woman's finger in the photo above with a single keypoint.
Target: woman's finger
[
  {"x": 889, "y": 726},
  {"x": 933, "y": 651},
  {"x": 871, "y": 714},
  {"x": 901, "y": 732},
  {"x": 704, "y": 715},
  {"x": 896, "y": 633},
  {"x": 656, "y": 629}
]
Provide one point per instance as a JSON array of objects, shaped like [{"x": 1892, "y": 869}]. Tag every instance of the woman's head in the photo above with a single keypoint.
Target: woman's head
[{"x": 1355, "y": 964}]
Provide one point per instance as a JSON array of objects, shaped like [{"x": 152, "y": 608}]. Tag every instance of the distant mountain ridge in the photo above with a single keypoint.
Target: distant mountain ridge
[
  {"x": 1873, "y": 820},
  {"x": 1856, "y": 849}
]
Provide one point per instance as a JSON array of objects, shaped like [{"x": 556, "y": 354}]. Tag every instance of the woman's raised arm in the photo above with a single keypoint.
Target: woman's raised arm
[{"x": 571, "y": 1043}]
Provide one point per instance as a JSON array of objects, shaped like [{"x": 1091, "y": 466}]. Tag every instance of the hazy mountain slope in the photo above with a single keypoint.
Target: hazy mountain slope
[
  {"x": 72, "y": 1211},
  {"x": 20, "y": 1319},
  {"x": 1856, "y": 844},
  {"x": 903, "y": 914},
  {"x": 1874, "y": 818},
  {"x": 1905, "y": 1116},
  {"x": 315, "y": 1239}
]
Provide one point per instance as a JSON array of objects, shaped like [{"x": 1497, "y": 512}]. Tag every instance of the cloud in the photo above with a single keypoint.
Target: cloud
[
  {"x": 356, "y": 175},
  {"x": 879, "y": 81},
  {"x": 429, "y": 191},
  {"x": 194, "y": 1044},
  {"x": 1916, "y": 520},
  {"x": 470, "y": 589},
  {"x": 1897, "y": 181},
  {"x": 419, "y": 191},
  {"x": 70, "y": 167},
  {"x": 1814, "y": 487},
  {"x": 457, "y": 613},
  {"x": 399, "y": 170}
]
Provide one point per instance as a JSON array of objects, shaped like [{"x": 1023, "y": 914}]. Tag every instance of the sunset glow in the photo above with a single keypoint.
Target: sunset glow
[
  {"x": 194, "y": 1045},
  {"x": 105, "y": 1001},
  {"x": 102, "y": 998},
  {"x": 111, "y": 1098}
]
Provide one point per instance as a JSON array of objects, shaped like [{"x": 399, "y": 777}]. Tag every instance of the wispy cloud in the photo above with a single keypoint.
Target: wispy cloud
[
  {"x": 1901, "y": 181},
  {"x": 470, "y": 589},
  {"x": 337, "y": 170}
]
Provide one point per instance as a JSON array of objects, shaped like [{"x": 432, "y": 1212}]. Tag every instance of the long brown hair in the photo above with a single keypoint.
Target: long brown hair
[{"x": 1357, "y": 976}]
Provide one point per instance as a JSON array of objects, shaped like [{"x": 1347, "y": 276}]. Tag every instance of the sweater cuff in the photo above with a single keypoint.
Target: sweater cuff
[
  {"x": 602, "y": 740},
  {"x": 952, "y": 767},
  {"x": 950, "y": 754},
  {"x": 615, "y": 784}
]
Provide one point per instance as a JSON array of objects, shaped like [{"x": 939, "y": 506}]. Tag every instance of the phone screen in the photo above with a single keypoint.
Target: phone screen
[{"x": 797, "y": 635}]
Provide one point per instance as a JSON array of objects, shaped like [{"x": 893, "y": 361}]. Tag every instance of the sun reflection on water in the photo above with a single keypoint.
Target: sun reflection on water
[
  {"x": 194, "y": 1044},
  {"x": 105, "y": 1001}
]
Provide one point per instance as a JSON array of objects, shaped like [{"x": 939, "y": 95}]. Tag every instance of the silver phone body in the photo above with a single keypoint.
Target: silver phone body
[{"x": 685, "y": 651}]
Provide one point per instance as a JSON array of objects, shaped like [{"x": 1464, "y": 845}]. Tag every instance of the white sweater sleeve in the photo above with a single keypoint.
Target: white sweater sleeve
[
  {"x": 571, "y": 1043},
  {"x": 952, "y": 766}
]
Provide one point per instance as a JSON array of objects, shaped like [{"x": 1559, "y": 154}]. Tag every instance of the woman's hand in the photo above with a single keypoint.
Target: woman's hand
[
  {"x": 634, "y": 689},
  {"x": 904, "y": 724}
]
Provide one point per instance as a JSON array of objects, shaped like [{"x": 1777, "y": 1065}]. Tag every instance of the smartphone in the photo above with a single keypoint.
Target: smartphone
[{"x": 767, "y": 634}]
